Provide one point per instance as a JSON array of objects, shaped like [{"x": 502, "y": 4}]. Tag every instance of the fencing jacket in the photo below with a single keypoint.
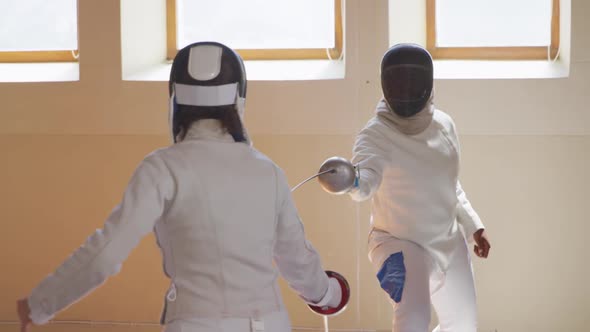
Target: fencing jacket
[
  {"x": 413, "y": 183},
  {"x": 222, "y": 213}
]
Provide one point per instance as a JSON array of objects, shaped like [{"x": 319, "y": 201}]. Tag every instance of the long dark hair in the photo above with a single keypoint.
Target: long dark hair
[{"x": 227, "y": 115}]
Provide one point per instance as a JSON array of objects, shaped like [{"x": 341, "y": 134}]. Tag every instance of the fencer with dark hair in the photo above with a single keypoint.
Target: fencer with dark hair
[{"x": 222, "y": 213}]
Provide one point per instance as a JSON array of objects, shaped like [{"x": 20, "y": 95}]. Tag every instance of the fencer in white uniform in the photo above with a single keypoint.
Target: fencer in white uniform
[
  {"x": 222, "y": 213},
  {"x": 407, "y": 162}
]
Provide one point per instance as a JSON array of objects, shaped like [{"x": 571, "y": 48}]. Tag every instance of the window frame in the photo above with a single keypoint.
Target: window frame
[
  {"x": 266, "y": 54},
  {"x": 43, "y": 55},
  {"x": 38, "y": 56},
  {"x": 492, "y": 53}
]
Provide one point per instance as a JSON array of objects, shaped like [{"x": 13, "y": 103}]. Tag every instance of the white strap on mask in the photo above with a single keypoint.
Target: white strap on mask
[
  {"x": 196, "y": 95},
  {"x": 240, "y": 106}
]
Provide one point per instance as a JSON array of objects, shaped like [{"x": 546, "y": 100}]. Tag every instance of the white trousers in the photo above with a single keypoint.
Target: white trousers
[
  {"x": 273, "y": 322},
  {"x": 413, "y": 281}
]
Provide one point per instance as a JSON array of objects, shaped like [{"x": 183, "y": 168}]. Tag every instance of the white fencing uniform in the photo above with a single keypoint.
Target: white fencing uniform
[
  {"x": 417, "y": 207},
  {"x": 222, "y": 213}
]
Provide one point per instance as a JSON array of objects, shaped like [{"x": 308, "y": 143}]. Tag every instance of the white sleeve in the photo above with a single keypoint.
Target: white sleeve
[
  {"x": 466, "y": 215},
  {"x": 297, "y": 260},
  {"x": 104, "y": 251},
  {"x": 370, "y": 154}
]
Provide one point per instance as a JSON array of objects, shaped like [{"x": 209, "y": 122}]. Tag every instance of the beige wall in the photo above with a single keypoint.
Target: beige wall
[{"x": 69, "y": 149}]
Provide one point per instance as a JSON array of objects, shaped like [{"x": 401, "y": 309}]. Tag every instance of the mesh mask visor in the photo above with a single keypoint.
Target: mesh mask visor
[{"x": 407, "y": 84}]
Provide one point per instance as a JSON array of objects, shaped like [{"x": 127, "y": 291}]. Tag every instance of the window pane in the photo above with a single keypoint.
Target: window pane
[
  {"x": 480, "y": 23},
  {"x": 38, "y": 25},
  {"x": 257, "y": 24}
]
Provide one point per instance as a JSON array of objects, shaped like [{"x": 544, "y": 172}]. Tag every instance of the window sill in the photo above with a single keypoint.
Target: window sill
[
  {"x": 292, "y": 70},
  {"x": 39, "y": 72},
  {"x": 456, "y": 69}
]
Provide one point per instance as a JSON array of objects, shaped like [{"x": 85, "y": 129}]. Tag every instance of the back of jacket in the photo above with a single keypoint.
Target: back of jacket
[
  {"x": 225, "y": 222},
  {"x": 217, "y": 235}
]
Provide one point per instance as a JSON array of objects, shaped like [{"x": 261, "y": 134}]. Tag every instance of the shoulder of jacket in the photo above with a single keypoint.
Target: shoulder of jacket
[
  {"x": 159, "y": 160},
  {"x": 375, "y": 125},
  {"x": 261, "y": 156},
  {"x": 376, "y": 130},
  {"x": 444, "y": 119},
  {"x": 158, "y": 154}
]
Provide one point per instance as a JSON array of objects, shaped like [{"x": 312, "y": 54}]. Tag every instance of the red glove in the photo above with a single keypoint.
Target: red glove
[{"x": 334, "y": 308}]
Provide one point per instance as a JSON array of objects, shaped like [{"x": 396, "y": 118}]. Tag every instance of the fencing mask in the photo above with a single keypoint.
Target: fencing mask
[
  {"x": 205, "y": 76},
  {"x": 407, "y": 79}
]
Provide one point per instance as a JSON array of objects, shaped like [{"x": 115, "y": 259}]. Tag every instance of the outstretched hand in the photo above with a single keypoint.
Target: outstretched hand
[
  {"x": 23, "y": 311},
  {"x": 482, "y": 244}
]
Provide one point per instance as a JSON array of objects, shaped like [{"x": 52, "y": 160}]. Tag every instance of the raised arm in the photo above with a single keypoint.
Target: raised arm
[{"x": 370, "y": 153}]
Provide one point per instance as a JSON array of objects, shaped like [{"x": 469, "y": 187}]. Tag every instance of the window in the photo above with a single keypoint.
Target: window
[
  {"x": 38, "y": 31},
  {"x": 493, "y": 30},
  {"x": 260, "y": 29}
]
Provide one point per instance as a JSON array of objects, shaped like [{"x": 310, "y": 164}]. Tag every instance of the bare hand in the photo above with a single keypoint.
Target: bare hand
[
  {"x": 482, "y": 245},
  {"x": 23, "y": 311}
]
